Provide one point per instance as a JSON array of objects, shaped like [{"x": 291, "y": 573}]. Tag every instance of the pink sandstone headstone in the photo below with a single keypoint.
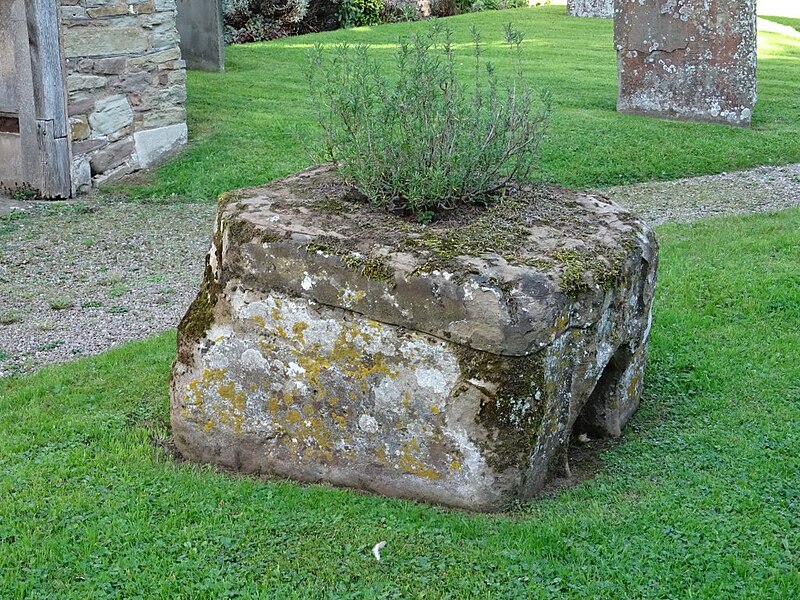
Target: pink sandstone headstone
[
  {"x": 603, "y": 9},
  {"x": 687, "y": 59}
]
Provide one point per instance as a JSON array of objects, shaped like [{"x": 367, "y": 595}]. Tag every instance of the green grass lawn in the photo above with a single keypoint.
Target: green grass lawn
[
  {"x": 244, "y": 124},
  {"x": 700, "y": 499},
  {"x": 794, "y": 23}
]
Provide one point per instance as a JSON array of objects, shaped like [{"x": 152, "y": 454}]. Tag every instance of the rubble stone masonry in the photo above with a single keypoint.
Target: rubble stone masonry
[{"x": 126, "y": 86}]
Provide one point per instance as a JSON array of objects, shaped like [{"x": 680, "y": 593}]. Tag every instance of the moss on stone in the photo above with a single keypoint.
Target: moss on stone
[
  {"x": 241, "y": 231},
  {"x": 200, "y": 315},
  {"x": 500, "y": 230},
  {"x": 514, "y": 387},
  {"x": 582, "y": 269},
  {"x": 372, "y": 266},
  {"x": 270, "y": 237},
  {"x": 375, "y": 267},
  {"x": 224, "y": 199}
]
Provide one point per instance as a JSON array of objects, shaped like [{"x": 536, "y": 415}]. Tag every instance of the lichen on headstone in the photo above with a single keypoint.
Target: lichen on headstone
[{"x": 687, "y": 59}]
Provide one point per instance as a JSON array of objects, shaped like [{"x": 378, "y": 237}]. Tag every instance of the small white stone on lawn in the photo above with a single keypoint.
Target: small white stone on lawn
[{"x": 376, "y": 550}]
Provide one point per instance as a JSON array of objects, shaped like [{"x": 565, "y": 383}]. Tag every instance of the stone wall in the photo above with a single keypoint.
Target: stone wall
[
  {"x": 603, "y": 9},
  {"x": 126, "y": 86}
]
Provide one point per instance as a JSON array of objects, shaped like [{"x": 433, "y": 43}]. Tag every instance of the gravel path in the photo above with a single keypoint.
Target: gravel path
[{"x": 78, "y": 278}]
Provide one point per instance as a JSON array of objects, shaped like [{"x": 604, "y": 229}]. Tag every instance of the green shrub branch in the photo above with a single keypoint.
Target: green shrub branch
[{"x": 424, "y": 140}]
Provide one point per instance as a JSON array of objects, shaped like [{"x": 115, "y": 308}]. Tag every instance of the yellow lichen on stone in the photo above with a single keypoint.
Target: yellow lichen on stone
[
  {"x": 267, "y": 348},
  {"x": 233, "y": 416},
  {"x": 350, "y": 297},
  {"x": 199, "y": 387},
  {"x": 298, "y": 329},
  {"x": 273, "y": 405},
  {"x": 340, "y": 421},
  {"x": 309, "y": 438},
  {"x": 293, "y": 416},
  {"x": 412, "y": 464},
  {"x": 360, "y": 371},
  {"x": 313, "y": 363}
]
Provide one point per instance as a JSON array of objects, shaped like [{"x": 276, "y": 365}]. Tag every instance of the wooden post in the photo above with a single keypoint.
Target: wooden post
[{"x": 49, "y": 96}]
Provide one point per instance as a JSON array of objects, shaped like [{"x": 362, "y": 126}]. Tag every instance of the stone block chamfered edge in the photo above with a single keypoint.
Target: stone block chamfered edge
[
  {"x": 692, "y": 60},
  {"x": 288, "y": 381}
]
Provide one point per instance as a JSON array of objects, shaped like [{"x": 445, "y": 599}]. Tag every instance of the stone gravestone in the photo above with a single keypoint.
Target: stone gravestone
[
  {"x": 603, "y": 9},
  {"x": 201, "y": 27},
  {"x": 687, "y": 59}
]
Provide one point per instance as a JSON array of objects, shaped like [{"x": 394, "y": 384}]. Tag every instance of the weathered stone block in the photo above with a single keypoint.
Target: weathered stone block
[
  {"x": 79, "y": 128},
  {"x": 603, "y": 9},
  {"x": 154, "y": 58},
  {"x": 687, "y": 59},
  {"x": 170, "y": 115},
  {"x": 111, "y": 156},
  {"x": 81, "y": 175},
  {"x": 449, "y": 362},
  {"x": 110, "y": 66},
  {"x": 85, "y": 82},
  {"x": 109, "y": 9},
  {"x": 103, "y": 41},
  {"x": 153, "y": 145},
  {"x": 111, "y": 114}
]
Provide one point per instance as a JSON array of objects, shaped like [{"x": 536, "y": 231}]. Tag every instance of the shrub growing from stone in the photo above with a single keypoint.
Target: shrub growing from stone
[{"x": 424, "y": 139}]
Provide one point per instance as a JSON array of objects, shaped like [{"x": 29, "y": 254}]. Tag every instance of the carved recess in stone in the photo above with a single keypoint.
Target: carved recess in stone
[
  {"x": 448, "y": 363},
  {"x": 603, "y": 9},
  {"x": 687, "y": 59}
]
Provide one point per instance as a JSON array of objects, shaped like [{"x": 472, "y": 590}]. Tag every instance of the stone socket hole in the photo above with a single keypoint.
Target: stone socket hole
[{"x": 593, "y": 419}]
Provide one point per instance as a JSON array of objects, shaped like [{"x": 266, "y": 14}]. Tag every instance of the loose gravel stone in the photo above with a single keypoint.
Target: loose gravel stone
[
  {"x": 78, "y": 278},
  {"x": 81, "y": 277},
  {"x": 764, "y": 189}
]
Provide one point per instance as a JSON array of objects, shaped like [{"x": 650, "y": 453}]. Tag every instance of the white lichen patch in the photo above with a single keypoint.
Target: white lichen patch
[
  {"x": 219, "y": 332},
  {"x": 432, "y": 379},
  {"x": 351, "y": 297},
  {"x": 368, "y": 424},
  {"x": 252, "y": 360}
]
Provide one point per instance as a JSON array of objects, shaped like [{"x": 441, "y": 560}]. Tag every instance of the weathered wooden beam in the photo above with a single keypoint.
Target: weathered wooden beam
[
  {"x": 56, "y": 162},
  {"x": 49, "y": 97}
]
